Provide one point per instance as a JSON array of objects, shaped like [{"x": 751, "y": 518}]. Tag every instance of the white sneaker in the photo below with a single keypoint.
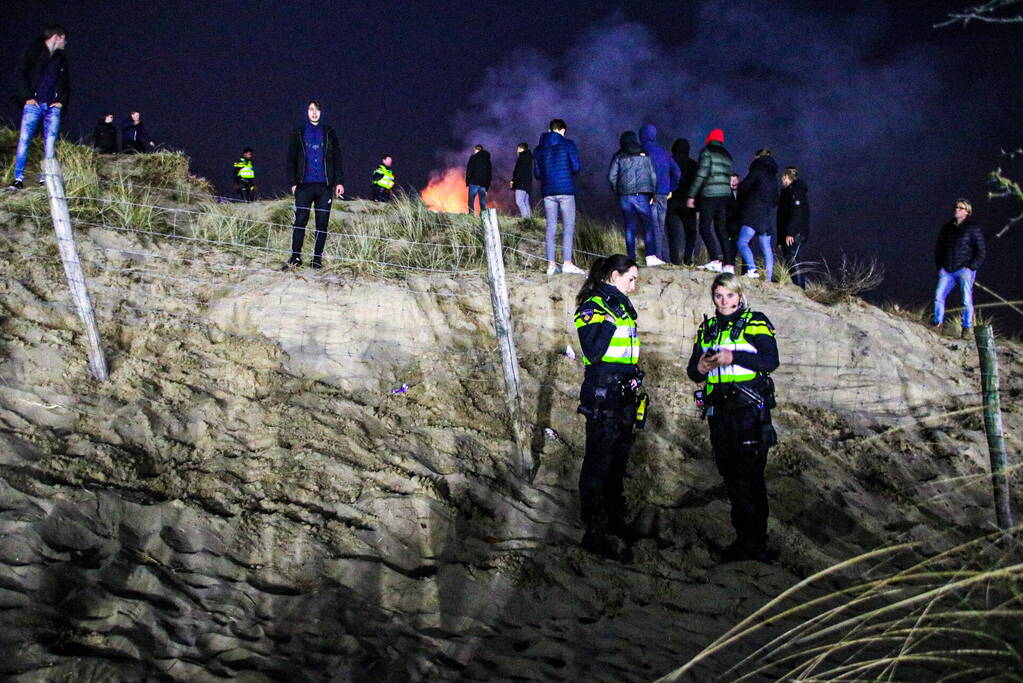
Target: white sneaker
[
  {"x": 728, "y": 269},
  {"x": 752, "y": 274},
  {"x": 652, "y": 261},
  {"x": 569, "y": 267},
  {"x": 552, "y": 269},
  {"x": 713, "y": 266}
]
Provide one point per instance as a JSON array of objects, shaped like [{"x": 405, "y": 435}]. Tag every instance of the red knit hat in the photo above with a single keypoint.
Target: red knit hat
[{"x": 716, "y": 134}]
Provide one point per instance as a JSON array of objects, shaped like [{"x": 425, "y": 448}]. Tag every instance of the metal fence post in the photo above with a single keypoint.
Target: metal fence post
[
  {"x": 73, "y": 267},
  {"x": 503, "y": 329},
  {"x": 993, "y": 423}
]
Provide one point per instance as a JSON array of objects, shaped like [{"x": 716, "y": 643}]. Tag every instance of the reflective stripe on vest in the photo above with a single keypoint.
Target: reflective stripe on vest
[
  {"x": 730, "y": 374},
  {"x": 624, "y": 346},
  {"x": 387, "y": 181},
  {"x": 245, "y": 169}
]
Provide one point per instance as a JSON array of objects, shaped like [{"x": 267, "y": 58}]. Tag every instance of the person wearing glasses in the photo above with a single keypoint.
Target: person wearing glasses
[
  {"x": 733, "y": 355},
  {"x": 958, "y": 254}
]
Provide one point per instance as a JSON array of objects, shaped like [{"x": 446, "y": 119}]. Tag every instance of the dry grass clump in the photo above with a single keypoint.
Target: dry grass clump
[
  {"x": 852, "y": 277},
  {"x": 949, "y": 616}
]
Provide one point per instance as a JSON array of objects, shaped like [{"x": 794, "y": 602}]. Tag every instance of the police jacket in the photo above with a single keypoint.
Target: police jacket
[
  {"x": 606, "y": 324},
  {"x": 749, "y": 335},
  {"x": 383, "y": 177},
  {"x": 331, "y": 156},
  {"x": 244, "y": 171},
  {"x": 31, "y": 66}
]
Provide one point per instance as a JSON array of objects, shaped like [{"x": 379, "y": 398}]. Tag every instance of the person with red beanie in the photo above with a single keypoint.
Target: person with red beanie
[{"x": 712, "y": 186}]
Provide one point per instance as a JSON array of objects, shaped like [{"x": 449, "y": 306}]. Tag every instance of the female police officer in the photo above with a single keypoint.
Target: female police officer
[
  {"x": 606, "y": 323},
  {"x": 733, "y": 353}
]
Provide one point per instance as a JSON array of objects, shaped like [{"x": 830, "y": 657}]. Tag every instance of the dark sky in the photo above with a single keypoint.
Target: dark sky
[{"x": 889, "y": 119}]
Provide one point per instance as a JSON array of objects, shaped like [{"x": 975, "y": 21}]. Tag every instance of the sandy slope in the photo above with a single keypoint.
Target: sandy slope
[{"x": 246, "y": 498}]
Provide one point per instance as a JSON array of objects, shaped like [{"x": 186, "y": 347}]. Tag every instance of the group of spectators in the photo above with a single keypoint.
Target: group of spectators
[{"x": 134, "y": 137}]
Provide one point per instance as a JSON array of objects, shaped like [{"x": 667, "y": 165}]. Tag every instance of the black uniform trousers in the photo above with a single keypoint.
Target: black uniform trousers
[
  {"x": 309, "y": 196},
  {"x": 609, "y": 438},
  {"x": 247, "y": 190},
  {"x": 737, "y": 438},
  {"x": 714, "y": 226},
  {"x": 682, "y": 231}
]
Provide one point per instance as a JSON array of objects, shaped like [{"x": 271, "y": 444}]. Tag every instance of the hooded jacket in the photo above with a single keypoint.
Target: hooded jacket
[
  {"x": 632, "y": 171},
  {"x": 522, "y": 176},
  {"x": 959, "y": 246},
  {"x": 331, "y": 156},
  {"x": 555, "y": 161},
  {"x": 667, "y": 170},
  {"x": 794, "y": 212},
  {"x": 104, "y": 137},
  {"x": 687, "y": 165},
  {"x": 478, "y": 170},
  {"x": 713, "y": 172},
  {"x": 33, "y": 64},
  {"x": 758, "y": 195}
]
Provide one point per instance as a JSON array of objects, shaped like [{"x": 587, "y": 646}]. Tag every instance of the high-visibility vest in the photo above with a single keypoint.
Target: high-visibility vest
[
  {"x": 386, "y": 179},
  {"x": 714, "y": 336},
  {"x": 624, "y": 346},
  {"x": 244, "y": 169}
]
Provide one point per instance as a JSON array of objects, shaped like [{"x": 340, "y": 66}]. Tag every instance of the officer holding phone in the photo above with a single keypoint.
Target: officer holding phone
[{"x": 734, "y": 353}]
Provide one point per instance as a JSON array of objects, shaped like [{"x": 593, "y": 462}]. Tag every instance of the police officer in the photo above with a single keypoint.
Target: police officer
[
  {"x": 383, "y": 180},
  {"x": 734, "y": 353},
  {"x": 245, "y": 176},
  {"x": 606, "y": 322}
]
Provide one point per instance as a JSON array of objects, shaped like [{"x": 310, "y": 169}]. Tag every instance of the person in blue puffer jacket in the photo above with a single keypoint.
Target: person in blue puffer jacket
[
  {"x": 555, "y": 162},
  {"x": 668, "y": 176}
]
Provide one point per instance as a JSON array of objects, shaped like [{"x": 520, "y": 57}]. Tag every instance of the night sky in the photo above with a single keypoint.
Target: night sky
[{"x": 888, "y": 118}]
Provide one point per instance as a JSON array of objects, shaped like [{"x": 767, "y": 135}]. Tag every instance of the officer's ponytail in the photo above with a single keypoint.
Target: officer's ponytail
[{"x": 600, "y": 272}]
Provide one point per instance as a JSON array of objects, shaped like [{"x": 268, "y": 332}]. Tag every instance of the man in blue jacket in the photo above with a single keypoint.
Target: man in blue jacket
[
  {"x": 668, "y": 176},
  {"x": 555, "y": 162},
  {"x": 314, "y": 169},
  {"x": 43, "y": 88}
]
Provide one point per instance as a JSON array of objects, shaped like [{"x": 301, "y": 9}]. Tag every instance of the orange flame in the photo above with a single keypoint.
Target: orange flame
[{"x": 446, "y": 192}]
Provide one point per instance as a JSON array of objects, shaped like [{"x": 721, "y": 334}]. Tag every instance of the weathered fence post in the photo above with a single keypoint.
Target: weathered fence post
[
  {"x": 505, "y": 339},
  {"x": 72, "y": 267},
  {"x": 993, "y": 423}
]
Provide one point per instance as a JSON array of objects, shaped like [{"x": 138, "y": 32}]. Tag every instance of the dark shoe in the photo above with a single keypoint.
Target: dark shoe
[
  {"x": 965, "y": 332},
  {"x": 741, "y": 552},
  {"x": 625, "y": 531},
  {"x": 16, "y": 185},
  {"x": 293, "y": 263},
  {"x": 316, "y": 263}
]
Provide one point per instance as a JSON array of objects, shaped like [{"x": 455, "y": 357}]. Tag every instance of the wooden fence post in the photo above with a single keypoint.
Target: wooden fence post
[
  {"x": 72, "y": 267},
  {"x": 505, "y": 339},
  {"x": 993, "y": 423}
]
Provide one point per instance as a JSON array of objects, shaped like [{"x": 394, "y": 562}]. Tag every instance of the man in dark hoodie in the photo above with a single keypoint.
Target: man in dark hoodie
[
  {"x": 477, "y": 177},
  {"x": 522, "y": 180},
  {"x": 668, "y": 175},
  {"x": 134, "y": 136},
  {"x": 104, "y": 135},
  {"x": 711, "y": 187},
  {"x": 555, "y": 163},
  {"x": 793, "y": 221},
  {"x": 634, "y": 180},
  {"x": 758, "y": 195},
  {"x": 680, "y": 222},
  {"x": 958, "y": 254},
  {"x": 44, "y": 88},
  {"x": 316, "y": 177}
]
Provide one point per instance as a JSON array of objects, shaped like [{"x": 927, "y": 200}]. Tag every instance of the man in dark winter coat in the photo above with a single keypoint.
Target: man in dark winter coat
[
  {"x": 958, "y": 254},
  {"x": 711, "y": 187},
  {"x": 680, "y": 222},
  {"x": 758, "y": 197},
  {"x": 634, "y": 180},
  {"x": 793, "y": 221},
  {"x": 44, "y": 87},
  {"x": 522, "y": 180},
  {"x": 555, "y": 163},
  {"x": 478, "y": 173},
  {"x": 104, "y": 135},
  {"x": 134, "y": 136},
  {"x": 668, "y": 174},
  {"x": 316, "y": 177},
  {"x": 733, "y": 225}
]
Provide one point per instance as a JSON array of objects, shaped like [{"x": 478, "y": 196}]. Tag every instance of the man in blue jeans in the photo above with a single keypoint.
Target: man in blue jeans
[
  {"x": 478, "y": 174},
  {"x": 44, "y": 86},
  {"x": 958, "y": 253}
]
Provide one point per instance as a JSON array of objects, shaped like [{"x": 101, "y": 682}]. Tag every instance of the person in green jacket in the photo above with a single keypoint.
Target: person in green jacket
[
  {"x": 383, "y": 180},
  {"x": 711, "y": 187},
  {"x": 245, "y": 176}
]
